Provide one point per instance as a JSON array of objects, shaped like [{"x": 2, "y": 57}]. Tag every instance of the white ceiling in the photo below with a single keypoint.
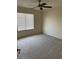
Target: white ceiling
[{"x": 34, "y": 3}]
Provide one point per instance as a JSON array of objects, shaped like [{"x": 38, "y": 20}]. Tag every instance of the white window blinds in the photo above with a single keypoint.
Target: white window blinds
[{"x": 25, "y": 21}]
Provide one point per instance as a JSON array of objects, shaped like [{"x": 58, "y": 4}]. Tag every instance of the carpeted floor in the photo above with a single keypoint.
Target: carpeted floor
[{"x": 40, "y": 47}]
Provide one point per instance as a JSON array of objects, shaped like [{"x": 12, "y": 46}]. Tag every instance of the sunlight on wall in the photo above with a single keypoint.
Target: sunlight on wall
[{"x": 53, "y": 22}]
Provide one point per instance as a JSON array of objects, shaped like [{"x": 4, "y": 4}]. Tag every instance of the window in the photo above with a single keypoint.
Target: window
[{"x": 25, "y": 21}]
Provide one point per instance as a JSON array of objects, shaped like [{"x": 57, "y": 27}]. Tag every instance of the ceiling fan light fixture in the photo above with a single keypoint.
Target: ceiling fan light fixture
[{"x": 41, "y": 8}]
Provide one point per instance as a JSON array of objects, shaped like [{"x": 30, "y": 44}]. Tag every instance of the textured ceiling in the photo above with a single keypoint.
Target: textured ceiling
[{"x": 34, "y": 3}]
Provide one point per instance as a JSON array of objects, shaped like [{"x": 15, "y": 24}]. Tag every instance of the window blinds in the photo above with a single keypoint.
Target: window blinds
[{"x": 25, "y": 21}]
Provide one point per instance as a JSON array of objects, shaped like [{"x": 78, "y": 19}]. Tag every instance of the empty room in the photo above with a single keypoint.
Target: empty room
[{"x": 39, "y": 29}]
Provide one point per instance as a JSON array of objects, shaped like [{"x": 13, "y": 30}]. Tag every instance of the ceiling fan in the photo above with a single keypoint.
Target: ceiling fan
[{"x": 42, "y": 5}]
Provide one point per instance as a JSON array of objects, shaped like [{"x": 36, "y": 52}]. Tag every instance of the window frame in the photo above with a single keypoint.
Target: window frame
[{"x": 26, "y": 28}]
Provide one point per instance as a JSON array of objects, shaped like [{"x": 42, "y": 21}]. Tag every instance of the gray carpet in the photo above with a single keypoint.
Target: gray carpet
[{"x": 40, "y": 47}]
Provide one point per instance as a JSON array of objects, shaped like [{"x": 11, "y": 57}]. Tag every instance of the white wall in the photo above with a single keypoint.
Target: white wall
[{"x": 53, "y": 22}]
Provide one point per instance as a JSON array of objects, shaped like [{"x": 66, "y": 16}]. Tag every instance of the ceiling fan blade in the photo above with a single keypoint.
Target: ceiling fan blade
[
  {"x": 43, "y": 4},
  {"x": 47, "y": 6}
]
